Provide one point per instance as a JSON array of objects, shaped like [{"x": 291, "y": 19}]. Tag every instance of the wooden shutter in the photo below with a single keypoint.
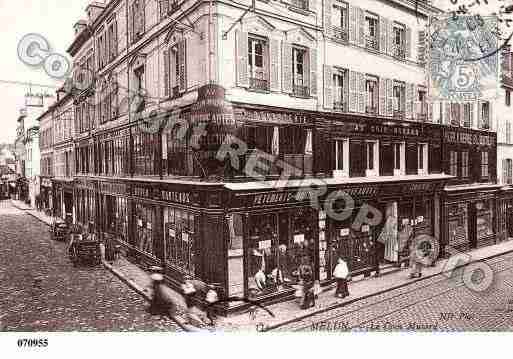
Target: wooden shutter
[
  {"x": 409, "y": 100},
  {"x": 390, "y": 38},
  {"x": 353, "y": 91},
  {"x": 328, "y": 93},
  {"x": 386, "y": 158},
  {"x": 166, "y": 72},
  {"x": 361, "y": 27},
  {"x": 286, "y": 66},
  {"x": 313, "y": 71},
  {"x": 478, "y": 113},
  {"x": 390, "y": 97},
  {"x": 382, "y": 97},
  {"x": 383, "y": 30},
  {"x": 362, "y": 99},
  {"x": 447, "y": 113},
  {"x": 357, "y": 158},
  {"x": 114, "y": 48},
  {"x": 504, "y": 171},
  {"x": 328, "y": 7},
  {"x": 471, "y": 119},
  {"x": 182, "y": 65},
  {"x": 275, "y": 65},
  {"x": 353, "y": 29},
  {"x": 411, "y": 158},
  {"x": 421, "y": 48},
  {"x": 408, "y": 42},
  {"x": 241, "y": 49}
]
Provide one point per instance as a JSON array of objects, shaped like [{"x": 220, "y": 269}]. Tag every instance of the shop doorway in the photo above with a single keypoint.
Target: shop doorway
[{"x": 68, "y": 206}]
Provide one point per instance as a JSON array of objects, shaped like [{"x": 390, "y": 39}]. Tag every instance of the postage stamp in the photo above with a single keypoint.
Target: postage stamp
[{"x": 463, "y": 58}]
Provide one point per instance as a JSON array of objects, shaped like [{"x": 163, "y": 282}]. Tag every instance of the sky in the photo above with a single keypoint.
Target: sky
[{"x": 53, "y": 19}]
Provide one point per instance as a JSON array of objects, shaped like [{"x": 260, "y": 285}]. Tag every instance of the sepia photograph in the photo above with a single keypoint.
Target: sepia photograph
[{"x": 342, "y": 168}]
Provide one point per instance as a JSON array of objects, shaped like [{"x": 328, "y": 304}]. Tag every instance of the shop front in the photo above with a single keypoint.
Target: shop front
[
  {"x": 272, "y": 232},
  {"x": 46, "y": 194},
  {"x": 470, "y": 215},
  {"x": 85, "y": 201}
]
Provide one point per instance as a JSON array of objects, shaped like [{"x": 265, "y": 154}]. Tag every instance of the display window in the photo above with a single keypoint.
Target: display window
[
  {"x": 484, "y": 218},
  {"x": 179, "y": 233},
  {"x": 457, "y": 224},
  {"x": 144, "y": 220}
]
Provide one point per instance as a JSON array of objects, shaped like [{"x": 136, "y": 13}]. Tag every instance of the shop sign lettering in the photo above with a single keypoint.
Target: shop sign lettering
[
  {"x": 267, "y": 116},
  {"x": 467, "y": 138},
  {"x": 272, "y": 198},
  {"x": 174, "y": 196}
]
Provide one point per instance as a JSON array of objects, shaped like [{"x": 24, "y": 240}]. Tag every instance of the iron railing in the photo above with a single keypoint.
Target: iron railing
[
  {"x": 301, "y": 91},
  {"x": 399, "y": 52},
  {"x": 340, "y": 106},
  {"x": 371, "y": 42},
  {"x": 258, "y": 84},
  {"x": 340, "y": 33}
]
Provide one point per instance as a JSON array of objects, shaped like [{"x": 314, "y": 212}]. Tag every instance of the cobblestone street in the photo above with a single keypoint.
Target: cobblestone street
[
  {"x": 435, "y": 304},
  {"x": 41, "y": 290}
]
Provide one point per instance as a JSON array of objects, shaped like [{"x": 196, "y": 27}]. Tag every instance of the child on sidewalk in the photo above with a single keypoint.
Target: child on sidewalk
[{"x": 340, "y": 273}]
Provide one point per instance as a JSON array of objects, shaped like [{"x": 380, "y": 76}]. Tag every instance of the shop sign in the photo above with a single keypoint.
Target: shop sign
[
  {"x": 211, "y": 106},
  {"x": 270, "y": 117},
  {"x": 175, "y": 196},
  {"x": 378, "y": 129},
  {"x": 467, "y": 138},
  {"x": 299, "y": 238},
  {"x": 273, "y": 198},
  {"x": 264, "y": 244}
]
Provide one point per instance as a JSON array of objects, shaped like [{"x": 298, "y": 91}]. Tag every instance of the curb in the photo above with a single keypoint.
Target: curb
[
  {"x": 27, "y": 210},
  {"x": 340, "y": 305}
]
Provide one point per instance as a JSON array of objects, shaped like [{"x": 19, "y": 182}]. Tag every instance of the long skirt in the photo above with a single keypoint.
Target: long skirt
[{"x": 342, "y": 289}]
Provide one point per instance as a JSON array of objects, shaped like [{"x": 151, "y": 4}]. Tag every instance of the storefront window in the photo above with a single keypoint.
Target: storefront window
[
  {"x": 484, "y": 219},
  {"x": 121, "y": 219},
  {"x": 144, "y": 219},
  {"x": 458, "y": 225},
  {"x": 235, "y": 256},
  {"x": 278, "y": 245},
  {"x": 179, "y": 238}
]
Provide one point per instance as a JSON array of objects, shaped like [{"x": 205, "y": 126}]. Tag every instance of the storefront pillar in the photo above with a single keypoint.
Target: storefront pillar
[{"x": 158, "y": 235}]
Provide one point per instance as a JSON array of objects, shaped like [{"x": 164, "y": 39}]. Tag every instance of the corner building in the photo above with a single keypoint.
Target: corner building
[{"x": 327, "y": 92}]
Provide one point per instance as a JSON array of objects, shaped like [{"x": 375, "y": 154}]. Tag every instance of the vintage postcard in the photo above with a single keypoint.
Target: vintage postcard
[{"x": 251, "y": 166}]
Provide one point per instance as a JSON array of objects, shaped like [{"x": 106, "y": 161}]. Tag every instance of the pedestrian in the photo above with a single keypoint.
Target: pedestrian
[
  {"x": 306, "y": 276},
  {"x": 415, "y": 264},
  {"x": 341, "y": 272}
]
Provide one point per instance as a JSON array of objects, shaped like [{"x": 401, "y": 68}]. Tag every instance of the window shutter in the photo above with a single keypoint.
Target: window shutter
[
  {"x": 382, "y": 96},
  {"x": 182, "y": 69},
  {"x": 504, "y": 171},
  {"x": 362, "y": 99},
  {"x": 421, "y": 48},
  {"x": 490, "y": 115},
  {"x": 328, "y": 93},
  {"x": 390, "y": 38},
  {"x": 242, "y": 58},
  {"x": 313, "y": 71},
  {"x": 390, "y": 97},
  {"x": 328, "y": 7},
  {"x": 166, "y": 72},
  {"x": 361, "y": 26},
  {"x": 353, "y": 91},
  {"x": 286, "y": 66},
  {"x": 353, "y": 30},
  {"x": 275, "y": 65},
  {"x": 383, "y": 29},
  {"x": 408, "y": 42},
  {"x": 471, "y": 119},
  {"x": 447, "y": 113},
  {"x": 409, "y": 100}
]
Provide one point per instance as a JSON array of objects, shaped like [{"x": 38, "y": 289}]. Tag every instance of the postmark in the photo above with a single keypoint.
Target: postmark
[{"x": 457, "y": 70}]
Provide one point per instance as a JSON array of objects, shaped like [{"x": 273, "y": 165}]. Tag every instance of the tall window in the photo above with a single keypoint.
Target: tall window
[
  {"x": 339, "y": 88},
  {"x": 342, "y": 156},
  {"x": 399, "y": 41},
  {"x": 508, "y": 98},
  {"x": 399, "y": 98},
  {"x": 371, "y": 87},
  {"x": 339, "y": 20},
  {"x": 371, "y": 31},
  {"x": 485, "y": 115},
  {"x": 137, "y": 20},
  {"x": 484, "y": 164},
  {"x": 464, "y": 164},
  {"x": 299, "y": 82},
  {"x": 257, "y": 63},
  {"x": 144, "y": 219},
  {"x": 453, "y": 163},
  {"x": 467, "y": 117}
]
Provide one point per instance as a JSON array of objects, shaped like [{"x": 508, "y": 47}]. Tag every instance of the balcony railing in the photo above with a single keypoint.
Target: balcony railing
[
  {"x": 301, "y": 91},
  {"x": 399, "y": 52},
  {"x": 258, "y": 84},
  {"x": 371, "y": 42},
  {"x": 340, "y": 33},
  {"x": 371, "y": 109},
  {"x": 485, "y": 124},
  {"x": 340, "y": 106},
  {"x": 300, "y": 4}
]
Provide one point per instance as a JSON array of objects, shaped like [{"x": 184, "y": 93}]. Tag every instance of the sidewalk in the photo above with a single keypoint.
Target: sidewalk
[
  {"x": 287, "y": 312},
  {"x": 32, "y": 211}
]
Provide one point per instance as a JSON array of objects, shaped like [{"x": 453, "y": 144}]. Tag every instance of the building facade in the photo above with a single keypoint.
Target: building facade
[{"x": 234, "y": 146}]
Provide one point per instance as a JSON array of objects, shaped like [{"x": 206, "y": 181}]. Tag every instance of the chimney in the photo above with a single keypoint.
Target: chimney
[
  {"x": 79, "y": 26},
  {"x": 93, "y": 10}
]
